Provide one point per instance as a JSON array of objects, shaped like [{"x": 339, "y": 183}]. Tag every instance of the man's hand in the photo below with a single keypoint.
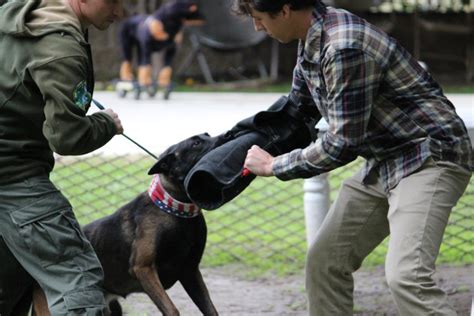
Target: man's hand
[
  {"x": 259, "y": 162},
  {"x": 114, "y": 116}
]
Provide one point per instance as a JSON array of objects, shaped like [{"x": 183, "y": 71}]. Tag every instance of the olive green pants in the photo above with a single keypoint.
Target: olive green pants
[
  {"x": 415, "y": 214},
  {"x": 40, "y": 239}
]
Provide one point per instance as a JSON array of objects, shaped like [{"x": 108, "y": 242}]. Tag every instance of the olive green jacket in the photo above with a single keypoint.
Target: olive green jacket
[{"x": 46, "y": 86}]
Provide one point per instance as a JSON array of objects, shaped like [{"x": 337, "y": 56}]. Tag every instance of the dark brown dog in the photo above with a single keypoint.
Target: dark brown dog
[{"x": 145, "y": 248}]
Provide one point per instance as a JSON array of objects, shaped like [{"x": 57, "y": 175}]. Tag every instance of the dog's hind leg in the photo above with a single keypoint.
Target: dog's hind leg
[
  {"x": 143, "y": 267},
  {"x": 194, "y": 285}
]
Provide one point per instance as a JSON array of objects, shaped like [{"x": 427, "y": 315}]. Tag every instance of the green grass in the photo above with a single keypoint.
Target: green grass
[
  {"x": 278, "y": 87},
  {"x": 459, "y": 89},
  {"x": 263, "y": 227}
]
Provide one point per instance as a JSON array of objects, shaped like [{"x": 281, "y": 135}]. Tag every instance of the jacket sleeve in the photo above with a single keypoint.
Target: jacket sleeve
[{"x": 68, "y": 129}]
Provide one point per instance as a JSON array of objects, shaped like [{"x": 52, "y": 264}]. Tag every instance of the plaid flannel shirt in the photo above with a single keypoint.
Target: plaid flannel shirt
[{"x": 379, "y": 103}]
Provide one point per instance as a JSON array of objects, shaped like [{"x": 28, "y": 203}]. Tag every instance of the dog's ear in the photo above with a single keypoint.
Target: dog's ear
[{"x": 163, "y": 165}]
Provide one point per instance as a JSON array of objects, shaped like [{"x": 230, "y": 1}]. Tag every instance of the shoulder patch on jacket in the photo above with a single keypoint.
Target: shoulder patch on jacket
[{"x": 81, "y": 96}]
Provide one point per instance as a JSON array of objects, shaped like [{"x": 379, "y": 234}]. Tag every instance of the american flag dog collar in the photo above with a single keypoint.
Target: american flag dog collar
[{"x": 168, "y": 204}]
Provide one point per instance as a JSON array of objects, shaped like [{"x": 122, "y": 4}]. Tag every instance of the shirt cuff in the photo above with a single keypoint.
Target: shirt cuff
[{"x": 284, "y": 165}]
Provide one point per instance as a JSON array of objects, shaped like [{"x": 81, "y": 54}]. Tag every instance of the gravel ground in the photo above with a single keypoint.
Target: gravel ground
[{"x": 235, "y": 295}]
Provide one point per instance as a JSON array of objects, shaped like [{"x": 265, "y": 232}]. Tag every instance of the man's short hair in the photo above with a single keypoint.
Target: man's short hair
[{"x": 242, "y": 7}]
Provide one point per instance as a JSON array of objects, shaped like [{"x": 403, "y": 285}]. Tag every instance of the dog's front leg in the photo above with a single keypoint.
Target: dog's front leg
[
  {"x": 194, "y": 285},
  {"x": 40, "y": 304},
  {"x": 143, "y": 266}
]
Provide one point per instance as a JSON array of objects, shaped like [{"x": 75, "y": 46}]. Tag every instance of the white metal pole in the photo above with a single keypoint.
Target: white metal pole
[
  {"x": 472, "y": 307},
  {"x": 316, "y": 204}
]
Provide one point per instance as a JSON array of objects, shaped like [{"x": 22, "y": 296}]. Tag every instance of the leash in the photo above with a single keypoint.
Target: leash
[{"x": 101, "y": 107}]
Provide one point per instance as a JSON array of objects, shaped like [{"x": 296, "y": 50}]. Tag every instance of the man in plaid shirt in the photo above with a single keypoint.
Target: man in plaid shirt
[{"x": 380, "y": 104}]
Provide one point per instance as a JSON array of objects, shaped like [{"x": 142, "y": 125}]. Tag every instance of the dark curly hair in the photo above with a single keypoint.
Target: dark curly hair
[{"x": 272, "y": 7}]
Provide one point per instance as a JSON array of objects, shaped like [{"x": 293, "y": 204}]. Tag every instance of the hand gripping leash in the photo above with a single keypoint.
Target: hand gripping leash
[{"x": 100, "y": 106}]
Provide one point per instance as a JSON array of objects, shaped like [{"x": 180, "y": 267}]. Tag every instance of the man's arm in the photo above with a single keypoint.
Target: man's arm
[
  {"x": 67, "y": 128},
  {"x": 352, "y": 80},
  {"x": 260, "y": 162}
]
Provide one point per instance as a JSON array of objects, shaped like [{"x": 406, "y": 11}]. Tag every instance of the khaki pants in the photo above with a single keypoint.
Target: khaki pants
[
  {"x": 40, "y": 239},
  {"x": 415, "y": 214}
]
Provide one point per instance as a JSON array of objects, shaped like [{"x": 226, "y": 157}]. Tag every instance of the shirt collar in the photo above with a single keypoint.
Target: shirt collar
[{"x": 310, "y": 49}]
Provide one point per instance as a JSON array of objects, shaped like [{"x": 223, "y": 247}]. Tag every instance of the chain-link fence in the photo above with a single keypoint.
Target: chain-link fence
[{"x": 263, "y": 227}]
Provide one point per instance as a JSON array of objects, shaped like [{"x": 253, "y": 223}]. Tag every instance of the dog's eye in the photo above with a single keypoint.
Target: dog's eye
[{"x": 196, "y": 143}]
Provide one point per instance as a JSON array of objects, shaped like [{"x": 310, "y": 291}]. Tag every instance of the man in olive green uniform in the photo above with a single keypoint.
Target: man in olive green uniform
[{"x": 46, "y": 85}]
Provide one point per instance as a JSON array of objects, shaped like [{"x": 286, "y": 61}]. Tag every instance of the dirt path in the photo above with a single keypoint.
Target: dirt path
[{"x": 235, "y": 295}]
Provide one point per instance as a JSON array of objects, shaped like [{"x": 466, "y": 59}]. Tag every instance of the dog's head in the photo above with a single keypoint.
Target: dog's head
[{"x": 177, "y": 160}]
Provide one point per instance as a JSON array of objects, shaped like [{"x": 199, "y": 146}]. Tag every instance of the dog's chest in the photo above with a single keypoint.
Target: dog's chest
[
  {"x": 180, "y": 249},
  {"x": 179, "y": 236}
]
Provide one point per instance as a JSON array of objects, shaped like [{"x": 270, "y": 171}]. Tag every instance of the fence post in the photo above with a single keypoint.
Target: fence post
[{"x": 316, "y": 204}]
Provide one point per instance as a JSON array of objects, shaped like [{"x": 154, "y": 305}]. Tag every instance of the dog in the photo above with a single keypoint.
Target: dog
[{"x": 156, "y": 239}]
